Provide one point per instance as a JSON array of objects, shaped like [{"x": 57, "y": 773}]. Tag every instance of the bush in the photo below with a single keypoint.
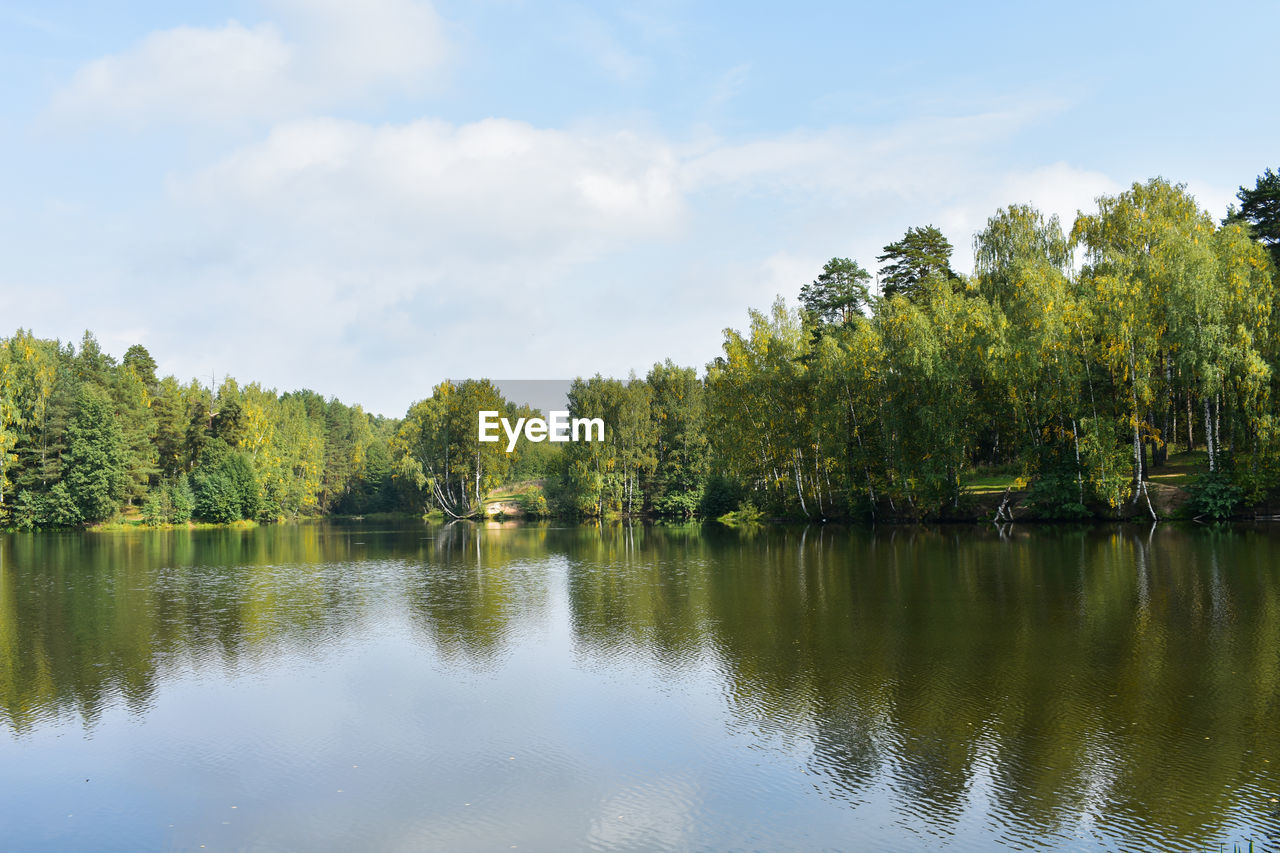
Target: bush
[
  {"x": 217, "y": 498},
  {"x": 1106, "y": 455},
  {"x": 169, "y": 503},
  {"x": 225, "y": 487},
  {"x": 60, "y": 509},
  {"x": 155, "y": 510},
  {"x": 53, "y": 509},
  {"x": 533, "y": 504},
  {"x": 1055, "y": 494},
  {"x": 182, "y": 502},
  {"x": 1215, "y": 496},
  {"x": 721, "y": 496},
  {"x": 746, "y": 515},
  {"x": 678, "y": 504},
  {"x": 26, "y": 510}
]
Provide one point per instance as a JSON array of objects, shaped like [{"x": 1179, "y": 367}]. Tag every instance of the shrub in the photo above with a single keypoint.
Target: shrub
[
  {"x": 217, "y": 498},
  {"x": 533, "y": 504},
  {"x": 155, "y": 509},
  {"x": 225, "y": 487},
  {"x": 1055, "y": 494},
  {"x": 719, "y": 497},
  {"x": 56, "y": 508},
  {"x": 182, "y": 502},
  {"x": 678, "y": 504},
  {"x": 60, "y": 509},
  {"x": 1214, "y": 495},
  {"x": 746, "y": 515}
]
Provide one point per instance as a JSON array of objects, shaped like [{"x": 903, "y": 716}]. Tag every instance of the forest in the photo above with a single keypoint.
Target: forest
[{"x": 1072, "y": 362}]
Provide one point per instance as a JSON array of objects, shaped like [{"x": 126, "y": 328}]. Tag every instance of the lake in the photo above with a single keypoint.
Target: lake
[{"x": 539, "y": 687}]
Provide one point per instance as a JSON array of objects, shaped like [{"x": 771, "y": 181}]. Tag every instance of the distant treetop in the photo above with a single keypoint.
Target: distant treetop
[{"x": 920, "y": 253}]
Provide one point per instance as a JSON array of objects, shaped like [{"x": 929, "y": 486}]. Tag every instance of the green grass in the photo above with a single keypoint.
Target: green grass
[
  {"x": 1180, "y": 468},
  {"x": 991, "y": 479},
  {"x": 128, "y": 524},
  {"x": 514, "y": 493},
  {"x": 511, "y": 491}
]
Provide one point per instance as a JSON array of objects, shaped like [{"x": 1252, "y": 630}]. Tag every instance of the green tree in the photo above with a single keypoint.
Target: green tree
[
  {"x": 604, "y": 477},
  {"x": 839, "y": 294},
  {"x": 28, "y": 378},
  {"x": 95, "y": 464},
  {"x": 1179, "y": 304},
  {"x": 171, "y": 419},
  {"x": 137, "y": 359},
  {"x": 92, "y": 365},
  {"x": 934, "y": 351},
  {"x": 1260, "y": 208},
  {"x": 439, "y": 451},
  {"x": 224, "y": 485},
  {"x": 199, "y": 425},
  {"x": 138, "y": 426},
  {"x": 1037, "y": 369},
  {"x": 673, "y": 485},
  {"x": 760, "y": 413},
  {"x": 920, "y": 253},
  {"x": 227, "y": 422},
  {"x": 10, "y": 421}
]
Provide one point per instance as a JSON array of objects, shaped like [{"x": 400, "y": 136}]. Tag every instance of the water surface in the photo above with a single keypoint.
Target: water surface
[{"x": 410, "y": 687}]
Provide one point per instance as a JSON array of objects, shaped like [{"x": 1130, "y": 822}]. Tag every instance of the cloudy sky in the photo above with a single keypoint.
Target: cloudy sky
[{"x": 365, "y": 197}]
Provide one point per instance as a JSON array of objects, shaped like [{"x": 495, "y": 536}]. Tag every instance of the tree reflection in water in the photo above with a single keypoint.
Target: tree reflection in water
[{"x": 1102, "y": 682}]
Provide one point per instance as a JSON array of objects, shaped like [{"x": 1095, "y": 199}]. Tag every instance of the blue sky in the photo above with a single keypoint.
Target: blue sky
[{"x": 365, "y": 198}]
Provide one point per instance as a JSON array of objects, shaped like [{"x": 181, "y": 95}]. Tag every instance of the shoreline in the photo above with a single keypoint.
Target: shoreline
[{"x": 981, "y": 509}]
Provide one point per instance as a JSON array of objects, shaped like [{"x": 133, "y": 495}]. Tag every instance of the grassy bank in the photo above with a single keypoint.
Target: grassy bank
[{"x": 138, "y": 524}]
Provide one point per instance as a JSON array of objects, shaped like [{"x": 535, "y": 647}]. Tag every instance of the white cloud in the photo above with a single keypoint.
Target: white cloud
[
  {"x": 931, "y": 156},
  {"x": 1213, "y": 197},
  {"x": 494, "y": 188},
  {"x": 358, "y": 45},
  {"x": 186, "y": 73},
  {"x": 457, "y": 247},
  {"x": 327, "y": 52},
  {"x": 1058, "y": 189},
  {"x": 505, "y": 249},
  {"x": 372, "y": 260}
]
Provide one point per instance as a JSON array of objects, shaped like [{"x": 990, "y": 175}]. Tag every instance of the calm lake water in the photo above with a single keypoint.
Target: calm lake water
[{"x": 326, "y": 687}]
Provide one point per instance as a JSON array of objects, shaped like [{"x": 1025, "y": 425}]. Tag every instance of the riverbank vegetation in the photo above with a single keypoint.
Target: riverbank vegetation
[{"x": 1055, "y": 381}]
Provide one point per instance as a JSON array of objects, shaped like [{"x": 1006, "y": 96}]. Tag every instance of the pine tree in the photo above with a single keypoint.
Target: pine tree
[
  {"x": 922, "y": 252},
  {"x": 839, "y": 294},
  {"x": 95, "y": 462},
  {"x": 1260, "y": 208}
]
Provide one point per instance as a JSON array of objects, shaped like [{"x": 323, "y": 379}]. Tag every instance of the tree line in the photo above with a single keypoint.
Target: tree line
[
  {"x": 1075, "y": 357},
  {"x": 84, "y": 437}
]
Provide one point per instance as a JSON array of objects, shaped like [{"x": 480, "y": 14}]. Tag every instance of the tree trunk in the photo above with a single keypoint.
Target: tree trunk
[
  {"x": 817, "y": 484},
  {"x": 799, "y": 492},
  {"x": 1137, "y": 459},
  {"x": 1208, "y": 437},
  {"x": 1079, "y": 478},
  {"x": 1191, "y": 426},
  {"x": 1217, "y": 420}
]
